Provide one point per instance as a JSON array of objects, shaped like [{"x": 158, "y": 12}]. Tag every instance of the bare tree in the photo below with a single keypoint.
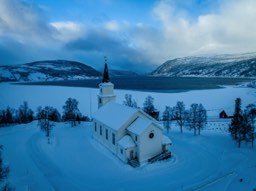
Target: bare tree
[
  {"x": 167, "y": 117},
  {"x": 71, "y": 111},
  {"x": 45, "y": 120},
  {"x": 25, "y": 113},
  {"x": 201, "y": 117},
  {"x": 192, "y": 119},
  {"x": 180, "y": 114},
  {"x": 129, "y": 101},
  {"x": 149, "y": 108}
]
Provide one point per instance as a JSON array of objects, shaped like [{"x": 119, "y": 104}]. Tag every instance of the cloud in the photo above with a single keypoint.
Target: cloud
[
  {"x": 23, "y": 22},
  {"x": 68, "y": 30},
  {"x": 228, "y": 30},
  {"x": 176, "y": 30}
]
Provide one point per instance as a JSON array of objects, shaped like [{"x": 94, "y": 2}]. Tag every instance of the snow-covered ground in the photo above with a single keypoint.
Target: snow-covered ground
[
  {"x": 74, "y": 161},
  {"x": 214, "y": 100}
]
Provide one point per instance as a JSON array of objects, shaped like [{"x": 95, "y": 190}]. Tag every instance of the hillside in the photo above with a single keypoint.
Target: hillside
[
  {"x": 239, "y": 65},
  {"x": 48, "y": 70}
]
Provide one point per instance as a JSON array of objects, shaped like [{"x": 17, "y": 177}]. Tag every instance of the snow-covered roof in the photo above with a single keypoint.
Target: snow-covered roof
[
  {"x": 166, "y": 140},
  {"x": 126, "y": 142},
  {"x": 139, "y": 125},
  {"x": 114, "y": 115}
]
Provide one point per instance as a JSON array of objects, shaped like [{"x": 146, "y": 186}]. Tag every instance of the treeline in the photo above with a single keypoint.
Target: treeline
[
  {"x": 24, "y": 114},
  {"x": 195, "y": 117}
]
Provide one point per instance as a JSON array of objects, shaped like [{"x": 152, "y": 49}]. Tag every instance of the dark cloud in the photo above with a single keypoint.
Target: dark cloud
[{"x": 100, "y": 43}]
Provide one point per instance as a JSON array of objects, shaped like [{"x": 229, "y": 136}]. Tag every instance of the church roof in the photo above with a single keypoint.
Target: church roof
[
  {"x": 166, "y": 140},
  {"x": 126, "y": 142},
  {"x": 114, "y": 115},
  {"x": 139, "y": 125}
]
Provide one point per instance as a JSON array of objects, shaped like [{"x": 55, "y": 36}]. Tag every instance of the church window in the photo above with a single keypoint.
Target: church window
[
  {"x": 100, "y": 130},
  {"x": 136, "y": 138},
  {"x": 95, "y": 127},
  {"x": 113, "y": 139},
  {"x": 107, "y": 134},
  {"x": 121, "y": 151},
  {"x": 100, "y": 100}
]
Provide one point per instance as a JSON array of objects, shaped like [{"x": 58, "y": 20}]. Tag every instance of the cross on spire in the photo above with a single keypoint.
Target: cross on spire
[{"x": 105, "y": 78}]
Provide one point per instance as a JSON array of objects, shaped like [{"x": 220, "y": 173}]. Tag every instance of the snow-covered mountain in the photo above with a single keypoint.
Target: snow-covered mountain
[
  {"x": 49, "y": 70},
  {"x": 239, "y": 65}
]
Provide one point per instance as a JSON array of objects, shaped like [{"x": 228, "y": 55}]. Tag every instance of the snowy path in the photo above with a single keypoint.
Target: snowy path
[{"x": 51, "y": 172}]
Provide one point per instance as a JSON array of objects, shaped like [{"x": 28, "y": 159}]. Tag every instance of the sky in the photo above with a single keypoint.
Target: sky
[{"x": 135, "y": 35}]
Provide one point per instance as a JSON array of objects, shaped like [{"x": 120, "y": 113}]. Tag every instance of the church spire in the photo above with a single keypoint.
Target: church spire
[{"x": 105, "y": 78}]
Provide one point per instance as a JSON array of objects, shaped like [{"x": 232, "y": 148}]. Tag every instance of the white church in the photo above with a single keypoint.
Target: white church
[{"x": 129, "y": 133}]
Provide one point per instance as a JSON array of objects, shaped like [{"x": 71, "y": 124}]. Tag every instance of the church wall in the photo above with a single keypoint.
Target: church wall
[
  {"x": 149, "y": 147},
  {"x": 104, "y": 135}
]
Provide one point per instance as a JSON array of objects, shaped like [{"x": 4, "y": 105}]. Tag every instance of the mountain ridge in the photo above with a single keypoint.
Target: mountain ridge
[
  {"x": 232, "y": 65},
  {"x": 48, "y": 70}
]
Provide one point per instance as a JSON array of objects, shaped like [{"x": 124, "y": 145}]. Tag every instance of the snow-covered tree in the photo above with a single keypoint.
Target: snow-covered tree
[
  {"x": 167, "y": 117},
  {"x": 71, "y": 111},
  {"x": 149, "y": 108},
  {"x": 180, "y": 114},
  {"x": 129, "y": 101}
]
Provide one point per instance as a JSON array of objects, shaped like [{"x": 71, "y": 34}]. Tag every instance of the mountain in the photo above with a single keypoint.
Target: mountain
[
  {"x": 48, "y": 70},
  {"x": 239, "y": 65}
]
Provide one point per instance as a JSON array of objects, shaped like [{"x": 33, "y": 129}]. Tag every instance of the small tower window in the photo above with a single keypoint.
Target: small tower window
[
  {"x": 113, "y": 139},
  {"x": 107, "y": 134},
  {"x": 100, "y": 100}
]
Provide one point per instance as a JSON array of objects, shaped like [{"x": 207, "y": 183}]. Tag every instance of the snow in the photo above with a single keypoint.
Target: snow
[
  {"x": 139, "y": 125},
  {"x": 126, "y": 142},
  {"x": 75, "y": 161},
  {"x": 115, "y": 110},
  {"x": 166, "y": 140}
]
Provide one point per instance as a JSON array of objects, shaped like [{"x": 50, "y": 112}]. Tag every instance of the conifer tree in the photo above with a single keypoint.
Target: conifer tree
[{"x": 236, "y": 126}]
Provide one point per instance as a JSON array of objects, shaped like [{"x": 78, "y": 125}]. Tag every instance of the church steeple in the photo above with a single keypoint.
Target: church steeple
[
  {"x": 105, "y": 78},
  {"x": 106, "y": 93}
]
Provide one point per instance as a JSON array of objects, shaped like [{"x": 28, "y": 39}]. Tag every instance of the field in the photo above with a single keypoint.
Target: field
[{"x": 75, "y": 161}]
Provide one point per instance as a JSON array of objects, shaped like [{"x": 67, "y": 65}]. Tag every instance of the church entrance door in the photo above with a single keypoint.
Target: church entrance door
[{"x": 131, "y": 155}]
